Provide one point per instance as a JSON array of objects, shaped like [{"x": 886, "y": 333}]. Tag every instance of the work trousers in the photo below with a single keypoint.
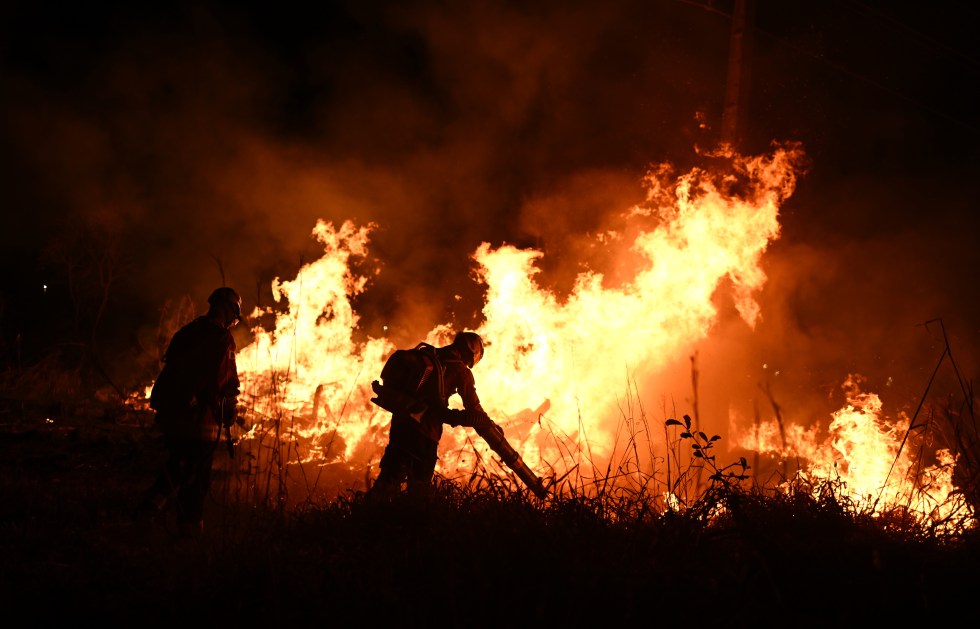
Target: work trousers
[
  {"x": 410, "y": 457},
  {"x": 185, "y": 480}
]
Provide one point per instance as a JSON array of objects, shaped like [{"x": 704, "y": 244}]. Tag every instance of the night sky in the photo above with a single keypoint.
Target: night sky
[{"x": 205, "y": 137}]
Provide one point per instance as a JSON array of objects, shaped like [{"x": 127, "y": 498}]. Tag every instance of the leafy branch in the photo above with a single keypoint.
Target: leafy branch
[{"x": 702, "y": 448}]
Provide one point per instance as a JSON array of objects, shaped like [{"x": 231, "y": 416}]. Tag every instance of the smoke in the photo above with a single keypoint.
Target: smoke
[
  {"x": 206, "y": 142},
  {"x": 878, "y": 298}
]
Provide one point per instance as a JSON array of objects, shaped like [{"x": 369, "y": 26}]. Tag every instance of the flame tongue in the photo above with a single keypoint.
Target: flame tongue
[
  {"x": 869, "y": 457},
  {"x": 308, "y": 369},
  {"x": 577, "y": 354},
  {"x": 569, "y": 358}
]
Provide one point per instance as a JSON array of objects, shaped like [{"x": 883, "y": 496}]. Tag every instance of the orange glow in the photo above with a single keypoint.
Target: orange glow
[
  {"x": 868, "y": 454},
  {"x": 559, "y": 370},
  {"x": 307, "y": 372}
]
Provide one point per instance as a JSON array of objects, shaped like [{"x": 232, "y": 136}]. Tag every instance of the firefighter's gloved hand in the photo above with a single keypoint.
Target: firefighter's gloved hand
[
  {"x": 469, "y": 417},
  {"x": 379, "y": 395},
  {"x": 451, "y": 416},
  {"x": 229, "y": 412}
]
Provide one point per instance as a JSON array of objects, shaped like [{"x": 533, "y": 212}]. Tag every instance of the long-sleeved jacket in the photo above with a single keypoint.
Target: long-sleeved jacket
[
  {"x": 456, "y": 378},
  {"x": 199, "y": 381}
]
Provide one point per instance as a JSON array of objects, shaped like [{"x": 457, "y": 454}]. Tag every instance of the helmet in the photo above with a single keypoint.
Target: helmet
[
  {"x": 470, "y": 345},
  {"x": 227, "y": 297}
]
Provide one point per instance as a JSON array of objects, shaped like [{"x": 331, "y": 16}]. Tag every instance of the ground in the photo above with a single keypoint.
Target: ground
[{"x": 72, "y": 551}]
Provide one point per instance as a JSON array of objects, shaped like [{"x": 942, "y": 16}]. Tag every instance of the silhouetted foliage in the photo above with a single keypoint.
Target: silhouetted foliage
[{"x": 459, "y": 556}]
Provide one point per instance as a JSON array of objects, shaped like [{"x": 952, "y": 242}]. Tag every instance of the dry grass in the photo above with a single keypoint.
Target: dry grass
[
  {"x": 477, "y": 551},
  {"x": 480, "y": 554}
]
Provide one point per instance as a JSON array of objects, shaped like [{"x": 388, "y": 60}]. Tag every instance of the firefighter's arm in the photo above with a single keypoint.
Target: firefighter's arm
[
  {"x": 229, "y": 387},
  {"x": 228, "y": 414},
  {"x": 471, "y": 418},
  {"x": 472, "y": 414}
]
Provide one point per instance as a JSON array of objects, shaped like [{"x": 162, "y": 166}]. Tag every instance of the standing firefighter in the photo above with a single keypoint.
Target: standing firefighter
[
  {"x": 415, "y": 387},
  {"x": 195, "y": 397}
]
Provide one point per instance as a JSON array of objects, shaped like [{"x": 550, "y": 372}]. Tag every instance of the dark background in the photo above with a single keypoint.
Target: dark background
[{"x": 149, "y": 153}]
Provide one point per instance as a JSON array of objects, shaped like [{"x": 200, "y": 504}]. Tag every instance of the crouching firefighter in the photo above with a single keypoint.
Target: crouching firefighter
[{"x": 415, "y": 387}]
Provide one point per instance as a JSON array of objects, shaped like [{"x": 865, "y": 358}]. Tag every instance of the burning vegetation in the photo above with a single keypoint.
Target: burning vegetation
[
  {"x": 703, "y": 402},
  {"x": 639, "y": 503},
  {"x": 569, "y": 377}
]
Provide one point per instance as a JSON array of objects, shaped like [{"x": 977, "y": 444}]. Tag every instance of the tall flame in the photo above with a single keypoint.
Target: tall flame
[
  {"x": 557, "y": 368},
  {"x": 574, "y": 356},
  {"x": 308, "y": 369}
]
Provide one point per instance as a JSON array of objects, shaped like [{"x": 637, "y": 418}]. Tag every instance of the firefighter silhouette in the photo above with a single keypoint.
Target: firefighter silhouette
[
  {"x": 194, "y": 397},
  {"x": 415, "y": 387}
]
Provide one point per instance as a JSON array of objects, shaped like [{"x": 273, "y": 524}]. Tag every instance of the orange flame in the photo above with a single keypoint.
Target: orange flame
[
  {"x": 575, "y": 356},
  {"x": 557, "y": 369},
  {"x": 869, "y": 455},
  {"x": 308, "y": 368}
]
